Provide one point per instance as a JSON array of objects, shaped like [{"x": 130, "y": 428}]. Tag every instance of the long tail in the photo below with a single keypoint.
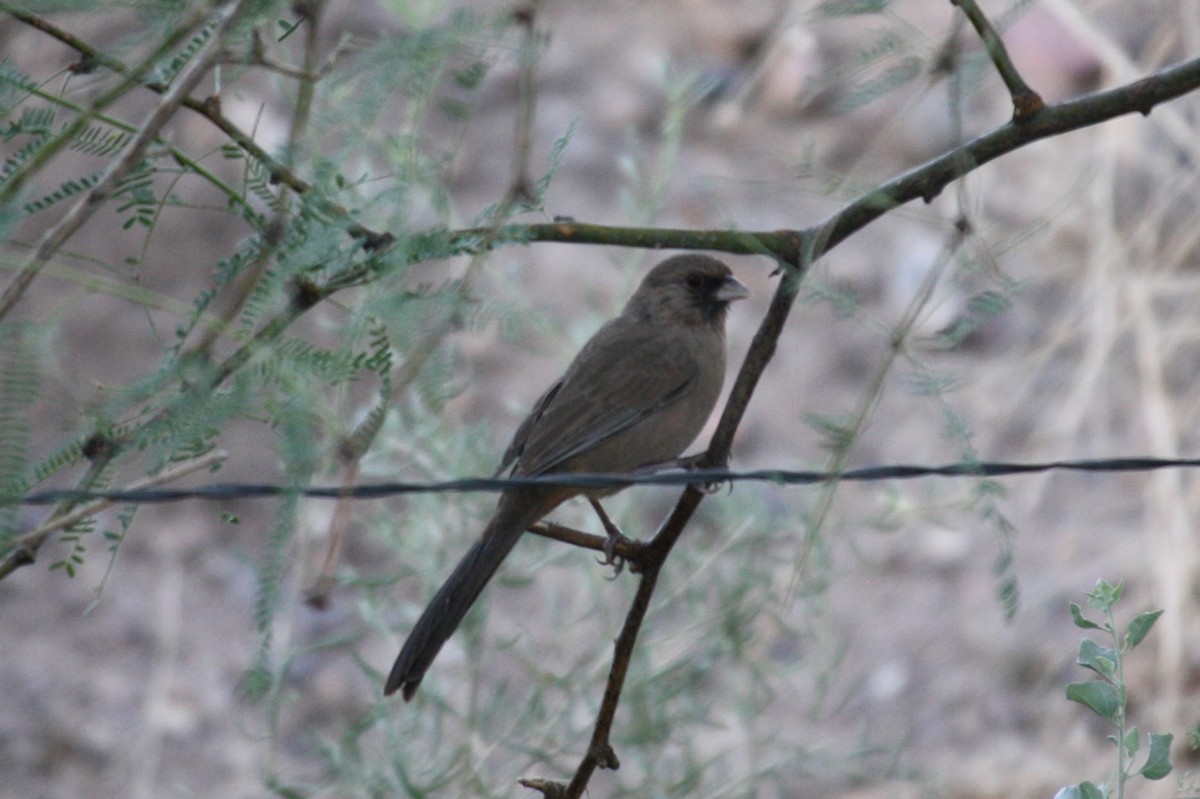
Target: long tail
[{"x": 456, "y": 596}]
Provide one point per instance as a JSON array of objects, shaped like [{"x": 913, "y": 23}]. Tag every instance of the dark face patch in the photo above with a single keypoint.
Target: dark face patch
[{"x": 703, "y": 287}]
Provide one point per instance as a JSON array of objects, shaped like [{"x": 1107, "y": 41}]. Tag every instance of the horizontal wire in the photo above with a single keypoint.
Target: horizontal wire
[{"x": 677, "y": 477}]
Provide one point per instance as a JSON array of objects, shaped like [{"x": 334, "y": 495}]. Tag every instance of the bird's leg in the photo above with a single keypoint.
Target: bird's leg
[{"x": 615, "y": 536}]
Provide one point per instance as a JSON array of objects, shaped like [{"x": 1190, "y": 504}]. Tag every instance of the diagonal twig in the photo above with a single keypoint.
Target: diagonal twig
[{"x": 1026, "y": 102}]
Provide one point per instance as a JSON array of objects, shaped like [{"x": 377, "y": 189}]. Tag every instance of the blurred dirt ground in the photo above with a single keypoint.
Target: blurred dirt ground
[{"x": 921, "y": 687}]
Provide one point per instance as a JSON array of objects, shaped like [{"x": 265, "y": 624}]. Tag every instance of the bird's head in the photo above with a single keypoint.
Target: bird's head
[{"x": 687, "y": 289}]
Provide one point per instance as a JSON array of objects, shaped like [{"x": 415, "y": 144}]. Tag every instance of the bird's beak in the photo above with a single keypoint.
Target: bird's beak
[{"x": 732, "y": 289}]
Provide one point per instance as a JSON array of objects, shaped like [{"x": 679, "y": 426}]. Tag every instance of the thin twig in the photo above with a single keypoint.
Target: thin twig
[
  {"x": 317, "y": 595},
  {"x": 1026, "y": 102},
  {"x": 520, "y": 189},
  {"x": 25, "y": 549},
  {"x": 600, "y": 753},
  {"x": 623, "y": 549}
]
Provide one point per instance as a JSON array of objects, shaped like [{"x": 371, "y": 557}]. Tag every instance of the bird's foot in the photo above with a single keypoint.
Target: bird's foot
[
  {"x": 615, "y": 538},
  {"x": 611, "y": 558}
]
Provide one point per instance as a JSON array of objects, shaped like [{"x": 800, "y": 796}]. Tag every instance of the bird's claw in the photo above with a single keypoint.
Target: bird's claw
[
  {"x": 614, "y": 538},
  {"x": 611, "y": 558}
]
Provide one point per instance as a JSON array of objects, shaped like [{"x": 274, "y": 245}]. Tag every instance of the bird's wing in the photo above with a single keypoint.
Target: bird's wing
[
  {"x": 625, "y": 374},
  {"x": 521, "y": 437}
]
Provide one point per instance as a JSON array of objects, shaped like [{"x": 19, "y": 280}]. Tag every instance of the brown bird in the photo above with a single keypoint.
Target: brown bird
[{"x": 637, "y": 394}]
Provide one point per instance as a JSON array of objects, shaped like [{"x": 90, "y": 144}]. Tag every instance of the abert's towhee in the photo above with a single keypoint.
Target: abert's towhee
[{"x": 637, "y": 394}]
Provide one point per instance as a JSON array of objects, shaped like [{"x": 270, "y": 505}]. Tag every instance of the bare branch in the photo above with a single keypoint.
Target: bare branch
[{"x": 1026, "y": 102}]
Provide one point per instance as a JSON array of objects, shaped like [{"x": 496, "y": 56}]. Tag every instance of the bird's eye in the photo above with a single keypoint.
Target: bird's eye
[{"x": 695, "y": 281}]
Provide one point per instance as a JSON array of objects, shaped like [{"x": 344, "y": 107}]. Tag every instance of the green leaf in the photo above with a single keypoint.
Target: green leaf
[
  {"x": 1139, "y": 628},
  {"x": 1080, "y": 621},
  {"x": 287, "y": 28},
  {"x": 1089, "y": 791},
  {"x": 470, "y": 76},
  {"x": 1132, "y": 742},
  {"x": 1158, "y": 764},
  {"x": 1104, "y": 596},
  {"x": 1101, "y": 698},
  {"x": 1100, "y": 659},
  {"x": 989, "y": 303}
]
